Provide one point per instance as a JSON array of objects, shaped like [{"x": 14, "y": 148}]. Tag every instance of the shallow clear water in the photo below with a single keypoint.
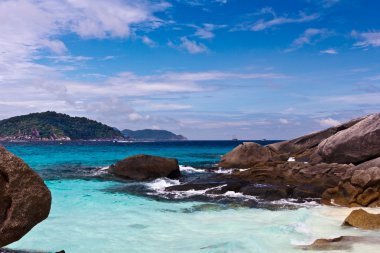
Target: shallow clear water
[{"x": 87, "y": 217}]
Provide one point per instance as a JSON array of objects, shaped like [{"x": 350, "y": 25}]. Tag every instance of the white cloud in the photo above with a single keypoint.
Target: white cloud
[
  {"x": 263, "y": 24},
  {"x": 30, "y": 27},
  {"x": 366, "y": 39},
  {"x": 329, "y": 122},
  {"x": 329, "y": 51}
]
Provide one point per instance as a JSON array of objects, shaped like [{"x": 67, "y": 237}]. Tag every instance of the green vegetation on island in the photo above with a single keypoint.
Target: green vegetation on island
[
  {"x": 55, "y": 126},
  {"x": 152, "y": 135}
]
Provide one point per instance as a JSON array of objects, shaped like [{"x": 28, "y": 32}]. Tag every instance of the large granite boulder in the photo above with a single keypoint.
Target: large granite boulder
[
  {"x": 245, "y": 155},
  {"x": 302, "y": 144},
  {"x": 24, "y": 198},
  {"x": 363, "y": 220},
  {"x": 357, "y": 144},
  {"x": 144, "y": 167}
]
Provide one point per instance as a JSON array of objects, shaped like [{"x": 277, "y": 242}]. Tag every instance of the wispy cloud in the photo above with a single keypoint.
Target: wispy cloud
[
  {"x": 329, "y": 3},
  {"x": 366, "y": 39},
  {"x": 191, "y": 46},
  {"x": 148, "y": 41},
  {"x": 329, "y": 51},
  {"x": 374, "y": 78},
  {"x": 206, "y": 31},
  {"x": 218, "y": 75},
  {"x": 276, "y": 20},
  {"x": 309, "y": 37},
  {"x": 329, "y": 122}
]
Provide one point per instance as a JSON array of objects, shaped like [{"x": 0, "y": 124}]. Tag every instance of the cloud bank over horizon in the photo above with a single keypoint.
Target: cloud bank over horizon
[{"x": 204, "y": 69}]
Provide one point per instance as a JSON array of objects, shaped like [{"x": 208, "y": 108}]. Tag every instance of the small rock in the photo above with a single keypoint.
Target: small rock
[{"x": 363, "y": 220}]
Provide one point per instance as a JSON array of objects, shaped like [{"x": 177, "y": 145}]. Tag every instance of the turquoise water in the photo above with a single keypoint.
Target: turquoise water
[{"x": 87, "y": 216}]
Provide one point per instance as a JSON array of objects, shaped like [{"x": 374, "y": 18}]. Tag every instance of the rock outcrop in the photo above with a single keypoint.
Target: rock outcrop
[
  {"x": 363, "y": 220},
  {"x": 299, "y": 180},
  {"x": 144, "y": 167},
  {"x": 340, "y": 165},
  {"x": 24, "y": 198},
  {"x": 357, "y": 144},
  {"x": 356, "y": 188},
  {"x": 301, "y": 145},
  {"x": 245, "y": 156}
]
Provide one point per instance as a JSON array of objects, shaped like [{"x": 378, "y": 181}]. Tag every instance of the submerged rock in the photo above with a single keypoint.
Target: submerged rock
[
  {"x": 356, "y": 144},
  {"x": 24, "y": 198},
  {"x": 245, "y": 156},
  {"x": 363, "y": 220},
  {"x": 143, "y": 167}
]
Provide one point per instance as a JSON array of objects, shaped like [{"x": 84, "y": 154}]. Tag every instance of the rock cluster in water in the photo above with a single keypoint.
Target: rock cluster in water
[
  {"x": 24, "y": 198},
  {"x": 341, "y": 164}
]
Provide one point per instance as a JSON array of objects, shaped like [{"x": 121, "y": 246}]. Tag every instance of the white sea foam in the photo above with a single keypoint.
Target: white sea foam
[
  {"x": 190, "y": 169},
  {"x": 233, "y": 194},
  {"x": 100, "y": 171},
  {"x": 224, "y": 171},
  {"x": 193, "y": 192},
  {"x": 160, "y": 184},
  {"x": 294, "y": 202},
  {"x": 104, "y": 168},
  {"x": 228, "y": 171}
]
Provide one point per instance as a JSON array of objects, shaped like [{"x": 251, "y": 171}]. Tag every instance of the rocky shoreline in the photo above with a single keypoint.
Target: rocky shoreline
[{"x": 339, "y": 166}]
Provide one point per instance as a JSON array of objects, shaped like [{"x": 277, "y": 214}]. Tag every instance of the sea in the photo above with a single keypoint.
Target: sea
[{"x": 93, "y": 212}]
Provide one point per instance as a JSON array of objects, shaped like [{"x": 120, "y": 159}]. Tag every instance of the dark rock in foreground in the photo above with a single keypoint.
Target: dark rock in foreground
[
  {"x": 363, "y": 220},
  {"x": 24, "y": 198},
  {"x": 143, "y": 167}
]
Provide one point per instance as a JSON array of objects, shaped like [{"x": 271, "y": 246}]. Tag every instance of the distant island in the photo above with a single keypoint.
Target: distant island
[
  {"x": 152, "y": 135},
  {"x": 53, "y": 126}
]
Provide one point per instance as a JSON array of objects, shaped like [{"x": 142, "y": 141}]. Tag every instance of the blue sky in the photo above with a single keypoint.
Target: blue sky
[{"x": 205, "y": 69}]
